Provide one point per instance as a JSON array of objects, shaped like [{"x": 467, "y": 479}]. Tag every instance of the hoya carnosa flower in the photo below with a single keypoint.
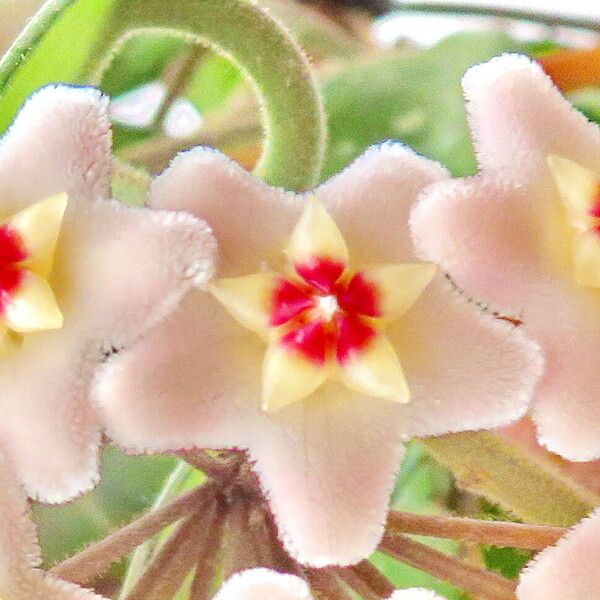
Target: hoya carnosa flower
[
  {"x": 323, "y": 346},
  {"x": 524, "y": 236},
  {"x": 263, "y": 584},
  {"x": 259, "y": 584},
  {"x": 20, "y": 575},
  {"x": 80, "y": 275},
  {"x": 567, "y": 571}
]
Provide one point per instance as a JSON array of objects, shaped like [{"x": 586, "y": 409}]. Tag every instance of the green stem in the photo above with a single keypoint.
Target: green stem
[
  {"x": 531, "y": 489},
  {"x": 452, "y": 8},
  {"x": 242, "y": 32},
  {"x": 27, "y": 41}
]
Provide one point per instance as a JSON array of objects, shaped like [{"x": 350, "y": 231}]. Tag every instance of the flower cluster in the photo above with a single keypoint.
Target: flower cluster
[{"x": 319, "y": 332}]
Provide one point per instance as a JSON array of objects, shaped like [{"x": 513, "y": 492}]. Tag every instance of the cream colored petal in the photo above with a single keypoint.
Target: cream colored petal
[
  {"x": 400, "y": 285},
  {"x": 247, "y": 298},
  {"x": 316, "y": 236},
  {"x": 33, "y": 307},
  {"x": 587, "y": 260},
  {"x": 39, "y": 224},
  {"x": 376, "y": 371},
  {"x": 578, "y": 188},
  {"x": 288, "y": 377},
  {"x": 7, "y": 343}
]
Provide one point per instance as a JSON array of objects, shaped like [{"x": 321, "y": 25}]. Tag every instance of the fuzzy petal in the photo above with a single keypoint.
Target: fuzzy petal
[
  {"x": 518, "y": 117},
  {"x": 244, "y": 212},
  {"x": 465, "y": 369},
  {"x": 415, "y": 594},
  {"x": 489, "y": 240},
  {"x": 566, "y": 571},
  {"x": 186, "y": 383},
  {"x": 124, "y": 268},
  {"x": 371, "y": 199},
  {"x": 196, "y": 380},
  {"x": 263, "y": 584},
  {"x": 341, "y": 481},
  {"x": 118, "y": 271},
  {"x": 486, "y": 236},
  {"x": 59, "y": 142},
  {"x": 20, "y": 558}
]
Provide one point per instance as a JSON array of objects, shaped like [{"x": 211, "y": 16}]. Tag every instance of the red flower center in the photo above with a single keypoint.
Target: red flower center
[
  {"x": 327, "y": 315},
  {"x": 12, "y": 251}
]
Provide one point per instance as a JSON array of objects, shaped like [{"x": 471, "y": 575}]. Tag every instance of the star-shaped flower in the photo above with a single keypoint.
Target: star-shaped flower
[
  {"x": 568, "y": 571},
  {"x": 20, "y": 575},
  {"x": 524, "y": 236},
  {"x": 80, "y": 275},
  {"x": 260, "y": 584},
  {"x": 340, "y": 402}
]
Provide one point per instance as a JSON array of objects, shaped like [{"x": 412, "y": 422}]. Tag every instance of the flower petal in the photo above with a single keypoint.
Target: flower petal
[
  {"x": 414, "y": 594},
  {"x": 38, "y": 227},
  {"x": 60, "y": 142},
  {"x": 317, "y": 238},
  {"x": 32, "y": 306},
  {"x": 289, "y": 376},
  {"x": 376, "y": 371},
  {"x": 48, "y": 428},
  {"x": 518, "y": 117},
  {"x": 371, "y": 199},
  {"x": 190, "y": 381},
  {"x": 339, "y": 452},
  {"x": 465, "y": 369},
  {"x": 487, "y": 237},
  {"x": 195, "y": 380},
  {"x": 397, "y": 287},
  {"x": 243, "y": 211},
  {"x": 564, "y": 571},
  {"x": 578, "y": 187},
  {"x": 119, "y": 270},
  {"x": 587, "y": 260},
  {"x": 19, "y": 551},
  {"x": 263, "y": 584},
  {"x": 248, "y": 299}
]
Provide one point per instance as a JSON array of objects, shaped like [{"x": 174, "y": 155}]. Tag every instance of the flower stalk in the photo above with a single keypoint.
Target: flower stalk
[
  {"x": 496, "y": 533},
  {"x": 479, "y": 582},
  {"x": 96, "y": 559}
]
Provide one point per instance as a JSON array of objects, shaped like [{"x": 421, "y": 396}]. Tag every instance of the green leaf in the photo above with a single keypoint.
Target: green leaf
[
  {"x": 53, "y": 48},
  {"x": 527, "y": 487},
  {"x": 412, "y": 96}
]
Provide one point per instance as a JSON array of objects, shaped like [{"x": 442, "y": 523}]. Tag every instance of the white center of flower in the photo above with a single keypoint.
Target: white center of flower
[{"x": 327, "y": 306}]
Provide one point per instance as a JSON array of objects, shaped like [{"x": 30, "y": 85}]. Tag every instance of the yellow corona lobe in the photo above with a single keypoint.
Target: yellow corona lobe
[
  {"x": 29, "y": 241},
  {"x": 579, "y": 190},
  {"x": 316, "y": 236},
  {"x": 323, "y": 321}
]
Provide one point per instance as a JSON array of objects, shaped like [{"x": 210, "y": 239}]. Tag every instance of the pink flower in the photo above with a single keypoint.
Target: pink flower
[
  {"x": 523, "y": 236},
  {"x": 567, "y": 571},
  {"x": 259, "y": 584},
  {"x": 20, "y": 575},
  {"x": 80, "y": 275},
  {"x": 263, "y": 584},
  {"x": 339, "y": 405}
]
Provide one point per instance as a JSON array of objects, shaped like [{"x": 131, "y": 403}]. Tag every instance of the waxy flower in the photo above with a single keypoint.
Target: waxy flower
[
  {"x": 258, "y": 584},
  {"x": 20, "y": 575},
  {"x": 568, "y": 571},
  {"x": 80, "y": 276},
  {"x": 263, "y": 584},
  {"x": 524, "y": 236},
  {"x": 323, "y": 347}
]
